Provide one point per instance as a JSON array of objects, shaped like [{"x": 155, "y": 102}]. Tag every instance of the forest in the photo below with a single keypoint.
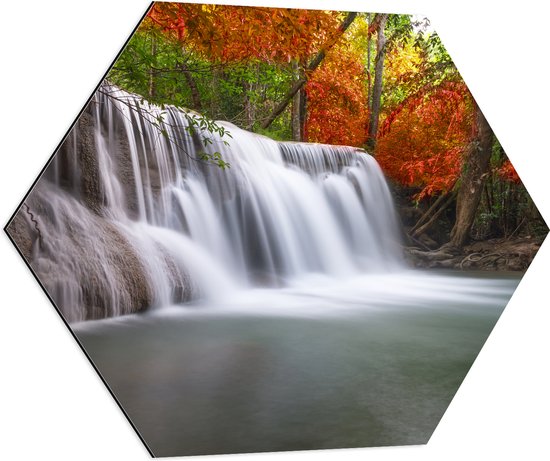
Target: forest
[{"x": 380, "y": 82}]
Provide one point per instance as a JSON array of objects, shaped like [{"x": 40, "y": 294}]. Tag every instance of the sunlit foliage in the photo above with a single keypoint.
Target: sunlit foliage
[
  {"x": 235, "y": 33},
  {"x": 423, "y": 140},
  {"x": 337, "y": 108}
]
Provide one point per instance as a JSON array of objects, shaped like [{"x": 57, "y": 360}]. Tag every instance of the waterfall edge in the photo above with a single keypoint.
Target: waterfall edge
[{"x": 121, "y": 221}]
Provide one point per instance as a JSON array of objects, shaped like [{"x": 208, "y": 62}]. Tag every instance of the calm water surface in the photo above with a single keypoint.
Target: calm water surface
[{"x": 324, "y": 363}]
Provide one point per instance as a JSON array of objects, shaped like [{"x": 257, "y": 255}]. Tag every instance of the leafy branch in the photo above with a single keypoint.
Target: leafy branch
[{"x": 196, "y": 124}]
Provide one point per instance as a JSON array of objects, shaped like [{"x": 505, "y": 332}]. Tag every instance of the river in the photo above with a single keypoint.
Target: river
[{"x": 370, "y": 361}]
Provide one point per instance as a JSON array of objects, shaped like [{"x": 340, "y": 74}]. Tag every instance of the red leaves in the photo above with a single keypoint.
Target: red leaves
[{"x": 422, "y": 141}]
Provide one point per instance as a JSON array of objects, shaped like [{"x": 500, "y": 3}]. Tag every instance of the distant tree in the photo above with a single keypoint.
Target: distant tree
[{"x": 379, "y": 25}]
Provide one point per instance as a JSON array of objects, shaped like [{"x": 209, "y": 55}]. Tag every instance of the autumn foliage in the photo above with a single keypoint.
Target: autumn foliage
[
  {"x": 236, "y": 33},
  {"x": 426, "y": 122},
  {"x": 422, "y": 141},
  {"x": 507, "y": 172},
  {"x": 337, "y": 107}
]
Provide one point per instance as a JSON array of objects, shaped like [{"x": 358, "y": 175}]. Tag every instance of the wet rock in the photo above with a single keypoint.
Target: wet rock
[
  {"x": 85, "y": 263},
  {"x": 23, "y": 234},
  {"x": 87, "y": 157},
  {"x": 125, "y": 170},
  {"x": 75, "y": 165}
]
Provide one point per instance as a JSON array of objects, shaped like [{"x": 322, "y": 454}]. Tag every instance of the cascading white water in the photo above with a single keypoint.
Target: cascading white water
[{"x": 279, "y": 212}]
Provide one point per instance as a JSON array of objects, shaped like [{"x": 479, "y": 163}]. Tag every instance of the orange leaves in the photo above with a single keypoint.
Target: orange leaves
[
  {"x": 337, "y": 101},
  {"x": 422, "y": 141},
  {"x": 235, "y": 33},
  {"x": 508, "y": 172}
]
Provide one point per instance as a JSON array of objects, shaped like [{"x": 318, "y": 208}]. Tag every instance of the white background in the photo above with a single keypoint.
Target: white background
[{"x": 53, "y": 406}]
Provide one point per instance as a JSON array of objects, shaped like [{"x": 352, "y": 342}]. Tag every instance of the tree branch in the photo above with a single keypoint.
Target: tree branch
[{"x": 310, "y": 68}]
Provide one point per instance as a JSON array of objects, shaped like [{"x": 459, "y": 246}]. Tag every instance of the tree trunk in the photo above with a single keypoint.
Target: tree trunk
[
  {"x": 249, "y": 113},
  {"x": 310, "y": 68},
  {"x": 369, "y": 79},
  {"x": 152, "y": 90},
  {"x": 215, "y": 105},
  {"x": 195, "y": 95},
  {"x": 303, "y": 113},
  {"x": 296, "y": 119},
  {"x": 474, "y": 172},
  {"x": 378, "y": 75},
  {"x": 435, "y": 206},
  {"x": 424, "y": 227}
]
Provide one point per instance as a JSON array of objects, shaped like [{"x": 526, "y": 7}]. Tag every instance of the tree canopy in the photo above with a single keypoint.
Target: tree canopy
[{"x": 381, "y": 81}]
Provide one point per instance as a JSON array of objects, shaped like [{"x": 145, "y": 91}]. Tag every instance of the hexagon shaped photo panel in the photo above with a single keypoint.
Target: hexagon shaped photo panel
[{"x": 279, "y": 229}]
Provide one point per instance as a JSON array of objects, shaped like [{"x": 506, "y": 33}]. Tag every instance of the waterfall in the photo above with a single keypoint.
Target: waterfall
[{"x": 132, "y": 216}]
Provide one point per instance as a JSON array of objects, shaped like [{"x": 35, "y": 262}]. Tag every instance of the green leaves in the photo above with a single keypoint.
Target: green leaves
[
  {"x": 199, "y": 124},
  {"x": 156, "y": 115},
  {"x": 214, "y": 158}
]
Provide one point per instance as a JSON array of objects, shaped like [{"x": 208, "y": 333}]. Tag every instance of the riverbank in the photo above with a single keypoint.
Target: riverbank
[{"x": 501, "y": 254}]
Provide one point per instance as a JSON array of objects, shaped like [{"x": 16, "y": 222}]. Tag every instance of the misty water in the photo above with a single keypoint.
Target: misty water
[
  {"x": 371, "y": 361},
  {"x": 278, "y": 312}
]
